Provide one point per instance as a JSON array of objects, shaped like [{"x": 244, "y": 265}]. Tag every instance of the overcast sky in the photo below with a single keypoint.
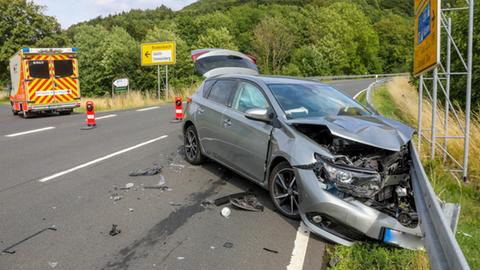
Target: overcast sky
[{"x": 69, "y": 12}]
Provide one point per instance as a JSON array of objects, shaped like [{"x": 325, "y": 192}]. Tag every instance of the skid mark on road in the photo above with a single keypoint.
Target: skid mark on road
[
  {"x": 28, "y": 132},
  {"x": 158, "y": 233},
  {"x": 48, "y": 178}
]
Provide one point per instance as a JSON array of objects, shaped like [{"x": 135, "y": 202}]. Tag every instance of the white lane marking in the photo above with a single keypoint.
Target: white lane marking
[
  {"x": 53, "y": 176},
  {"x": 358, "y": 94},
  {"x": 299, "y": 248},
  {"x": 148, "y": 109},
  {"x": 106, "y": 116},
  {"x": 28, "y": 132}
]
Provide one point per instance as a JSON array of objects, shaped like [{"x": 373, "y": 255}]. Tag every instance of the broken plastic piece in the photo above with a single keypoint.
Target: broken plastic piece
[
  {"x": 158, "y": 187},
  {"x": 146, "y": 172},
  {"x": 226, "y": 199},
  {"x": 162, "y": 181},
  {"x": 226, "y": 212},
  {"x": 129, "y": 185},
  {"x": 114, "y": 231},
  {"x": 270, "y": 250},
  {"x": 180, "y": 258},
  {"x": 53, "y": 264},
  {"x": 248, "y": 202},
  {"x": 228, "y": 245},
  {"x": 175, "y": 204}
]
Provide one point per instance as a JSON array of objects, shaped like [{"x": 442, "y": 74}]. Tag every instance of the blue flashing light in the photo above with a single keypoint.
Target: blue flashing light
[
  {"x": 26, "y": 50},
  {"x": 74, "y": 49}
]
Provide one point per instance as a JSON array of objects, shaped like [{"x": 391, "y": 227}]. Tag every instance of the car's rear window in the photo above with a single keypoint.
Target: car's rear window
[
  {"x": 204, "y": 65},
  {"x": 221, "y": 91},
  {"x": 38, "y": 69},
  {"x": 63, "y": 68}
]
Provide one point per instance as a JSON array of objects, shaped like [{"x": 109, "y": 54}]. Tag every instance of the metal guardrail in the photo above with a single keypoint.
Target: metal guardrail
[
  {"x": 366, "y": 76},
  {"x": 439, "y": 232}
]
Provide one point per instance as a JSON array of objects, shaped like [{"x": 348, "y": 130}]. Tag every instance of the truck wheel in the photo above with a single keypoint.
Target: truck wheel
[{"x": 13, "y": 110}]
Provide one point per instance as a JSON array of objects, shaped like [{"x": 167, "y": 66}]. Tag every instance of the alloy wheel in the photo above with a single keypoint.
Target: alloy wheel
[{"x": 285, "y": 191}]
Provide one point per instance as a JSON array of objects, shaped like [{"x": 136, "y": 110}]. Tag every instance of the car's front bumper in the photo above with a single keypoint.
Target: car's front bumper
[{"x": 352, "y": 217}]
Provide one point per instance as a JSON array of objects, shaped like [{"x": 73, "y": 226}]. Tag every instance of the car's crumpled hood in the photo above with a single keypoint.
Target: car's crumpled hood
[{"x": 374, "y": 130}]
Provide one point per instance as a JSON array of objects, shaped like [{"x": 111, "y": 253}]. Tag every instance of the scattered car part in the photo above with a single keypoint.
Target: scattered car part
[
  {"x": 146, "y": 172},
  {"x": 248, "y": 202},
  {"x": 114, "y": 231},
  {"x": 226, "y": 212},
  {"x": 270, "y": 250},
  {"x": 8, "y": 249},
  {"x": 226, "y": 199},
  {"x": 228, "y": 245}
]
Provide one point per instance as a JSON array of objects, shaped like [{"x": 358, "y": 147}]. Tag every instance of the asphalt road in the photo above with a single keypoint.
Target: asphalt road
[{"x": 66, "y": 178}]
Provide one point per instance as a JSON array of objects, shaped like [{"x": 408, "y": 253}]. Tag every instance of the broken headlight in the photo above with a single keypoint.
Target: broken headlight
[{"x": 356, "y": 182}]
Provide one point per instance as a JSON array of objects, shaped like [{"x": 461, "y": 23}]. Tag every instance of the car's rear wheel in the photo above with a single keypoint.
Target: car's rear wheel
[
  {"x": 193, "y": 154},
  {"x": 283, "y": 190}
]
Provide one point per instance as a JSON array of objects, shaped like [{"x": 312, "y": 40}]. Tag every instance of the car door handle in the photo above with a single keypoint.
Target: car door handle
[
  {"x": 227, "y": 122},
  {"x": 200, "y": 110}
]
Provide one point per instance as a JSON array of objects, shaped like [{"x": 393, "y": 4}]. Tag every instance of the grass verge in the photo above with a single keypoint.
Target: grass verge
[
  {"x": 399, "y": 100},
  {"x": 134, "y": 99}
]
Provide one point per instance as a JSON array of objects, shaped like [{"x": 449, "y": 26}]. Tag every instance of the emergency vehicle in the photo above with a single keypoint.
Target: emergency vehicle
[{"x": 44, "y": 80}]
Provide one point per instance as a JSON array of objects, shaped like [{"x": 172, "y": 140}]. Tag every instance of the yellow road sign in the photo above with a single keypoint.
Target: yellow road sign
[
  {"x": 160, "y": 53},
  {"x": 427, "y": 37}
]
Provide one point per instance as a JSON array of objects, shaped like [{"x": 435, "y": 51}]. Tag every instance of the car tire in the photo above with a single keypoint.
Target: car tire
[
  {"x": 283, "y": 190},
  {"x": 193, "y": 152},
  {"x": 26, "y": 114}
]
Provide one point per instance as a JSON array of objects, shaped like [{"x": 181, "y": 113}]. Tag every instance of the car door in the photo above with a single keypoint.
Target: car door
[
  {"x": 245, "y": 142},
  {"x": 209, "y": 113}
]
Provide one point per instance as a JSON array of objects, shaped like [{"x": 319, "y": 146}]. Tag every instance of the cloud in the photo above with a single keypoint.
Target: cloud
[{"x": 69, "y": 12}]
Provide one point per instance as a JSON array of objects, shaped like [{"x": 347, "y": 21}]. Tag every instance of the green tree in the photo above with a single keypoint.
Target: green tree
[
  {"x": 396, "y": 38},
  {"x": 216, "y": 38},
  {"x": 90, "y": 43},
  {"x": 274, "y": 44},
  {"x": 310, "y": 61},
  {"x": 22, "y": 24}
]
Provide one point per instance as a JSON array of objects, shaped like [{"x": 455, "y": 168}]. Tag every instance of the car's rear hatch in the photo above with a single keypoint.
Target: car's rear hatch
[{"x": 212, "y": 62}]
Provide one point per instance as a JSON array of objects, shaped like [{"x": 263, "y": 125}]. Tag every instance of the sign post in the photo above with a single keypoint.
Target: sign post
[
  {"x": 120, "y": 86},
  {"x": 159, "y": 54}
]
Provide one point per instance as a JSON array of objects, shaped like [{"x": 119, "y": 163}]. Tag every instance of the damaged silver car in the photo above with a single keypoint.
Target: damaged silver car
[{"x": 323, "y": 157}]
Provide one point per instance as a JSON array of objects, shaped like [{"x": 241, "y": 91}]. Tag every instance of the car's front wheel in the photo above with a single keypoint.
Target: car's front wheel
[
  {"x": 283, "y": 190},
  {"x": 193, "y": 154}
]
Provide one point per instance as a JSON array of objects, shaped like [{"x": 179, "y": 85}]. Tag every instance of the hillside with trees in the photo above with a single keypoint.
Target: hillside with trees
[{"x": 299, "y": 38}]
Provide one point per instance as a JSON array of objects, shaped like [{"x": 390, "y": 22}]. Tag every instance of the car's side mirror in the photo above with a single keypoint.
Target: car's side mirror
[{"x": 258, "y": 114}]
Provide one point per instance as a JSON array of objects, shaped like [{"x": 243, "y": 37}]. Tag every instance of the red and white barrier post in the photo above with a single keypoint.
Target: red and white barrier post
[
  {"x": 90, "y": 114},
  {"x": 178, "y": 108}
]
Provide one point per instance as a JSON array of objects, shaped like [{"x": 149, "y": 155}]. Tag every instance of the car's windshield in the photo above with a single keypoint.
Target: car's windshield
[{"x": 304, "y": 100}]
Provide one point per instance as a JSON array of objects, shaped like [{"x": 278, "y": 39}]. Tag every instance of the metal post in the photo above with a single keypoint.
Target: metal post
[
  {"x": 158, "y": 81},
  {"x": 420, "y": 108},
  {"x": 112, "y": 91},
  {"x": 447, "y": 92},
  {"x": 434, "y": 111},
  {"x": 469, "y": 89},
  {"x": 166, "y": 84}
]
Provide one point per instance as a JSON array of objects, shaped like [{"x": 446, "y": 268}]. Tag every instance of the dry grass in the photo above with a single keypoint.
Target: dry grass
[
  {"x": 405, "y": 97},
  {"x": 134, "y": 99},
  {"x": 4, "y": 96}
]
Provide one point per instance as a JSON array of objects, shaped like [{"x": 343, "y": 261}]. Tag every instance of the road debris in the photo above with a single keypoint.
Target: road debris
[
  {"x": 162, "y": 181},
  {"x": 130, "y": 209},
  {"x": 207, "y": 204},
  {"x": 114, "y": 231},
  {"x": 177, "y": 165},
  {"x": 158, "y": 187},
  {"x": 175, "y": 204},
  {"x": 146, "y": 172},
  {"x": 53, "y": 264},
  {"x": 226, "y": 199},
  {"x": 228, "y": 245},
  {"x": 212, "y": 247},
  {"x": 115, "y": 197},
  {"x": 226, "y": 212},
  {"x": 248, "y": 202},
  {"x": 129, "y": 185},
  {"x": 270, "y": 250},
  {"x": 180, "y": 258},
  {"x": 8, "y": 249}
]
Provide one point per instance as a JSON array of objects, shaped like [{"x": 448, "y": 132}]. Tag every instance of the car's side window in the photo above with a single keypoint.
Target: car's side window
[
  {"x": 221, "y": 91},
  {"x": 248, "y": 96},
  {"x": 207, "y": 86}
]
